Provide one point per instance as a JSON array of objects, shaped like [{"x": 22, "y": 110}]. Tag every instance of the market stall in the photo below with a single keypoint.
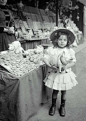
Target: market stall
[
  {"x": 20, "y": 98},
  {"x": 21, "y": 84},
  {"x": 22, "y": 70}
]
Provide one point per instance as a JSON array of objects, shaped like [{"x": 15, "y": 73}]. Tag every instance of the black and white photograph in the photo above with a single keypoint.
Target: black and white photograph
[{"x": 42, "y": 60}]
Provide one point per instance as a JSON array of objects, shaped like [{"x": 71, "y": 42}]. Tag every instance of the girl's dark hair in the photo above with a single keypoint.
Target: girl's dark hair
[{"x": 55, "y": 42}]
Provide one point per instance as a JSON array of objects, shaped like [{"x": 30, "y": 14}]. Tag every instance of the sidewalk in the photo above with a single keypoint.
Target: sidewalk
[
  {"x": 80, "y": 47},
  {"x": 76, "y": 102},
  {"x": 76, "y": 98}
]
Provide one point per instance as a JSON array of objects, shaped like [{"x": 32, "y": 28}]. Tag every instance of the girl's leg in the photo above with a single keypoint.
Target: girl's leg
[
  {"x": 53, "y": 106},
  {"x": 62, "y": 107}
]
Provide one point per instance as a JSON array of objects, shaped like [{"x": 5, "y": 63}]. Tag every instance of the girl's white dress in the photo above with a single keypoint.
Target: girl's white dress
[{"x": 61, "y": 81}]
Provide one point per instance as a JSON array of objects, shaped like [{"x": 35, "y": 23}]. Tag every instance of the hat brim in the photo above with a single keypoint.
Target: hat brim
[{"x": 65, "y": 31}]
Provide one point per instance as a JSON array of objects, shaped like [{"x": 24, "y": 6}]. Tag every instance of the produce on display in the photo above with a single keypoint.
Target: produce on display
[{"x": 19, "y": 65}]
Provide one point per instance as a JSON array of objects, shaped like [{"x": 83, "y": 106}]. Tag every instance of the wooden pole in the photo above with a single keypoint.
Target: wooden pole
[{"x": 56, "y": 1}]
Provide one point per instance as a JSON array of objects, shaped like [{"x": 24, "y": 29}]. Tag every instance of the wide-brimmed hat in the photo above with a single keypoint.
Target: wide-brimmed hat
[
  {"x": 68, "y": 32},
  {"x": 2, "y": 19}
]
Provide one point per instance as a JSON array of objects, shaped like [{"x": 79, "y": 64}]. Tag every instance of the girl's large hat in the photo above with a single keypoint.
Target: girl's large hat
[{"x": 68, "y": 32}]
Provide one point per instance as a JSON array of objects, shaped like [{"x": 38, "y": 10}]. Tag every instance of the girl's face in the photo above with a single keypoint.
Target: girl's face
[{"x": 62, "y": 41}]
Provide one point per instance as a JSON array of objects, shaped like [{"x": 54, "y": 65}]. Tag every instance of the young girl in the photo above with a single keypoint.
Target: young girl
[{"x": 64, "y": 80}]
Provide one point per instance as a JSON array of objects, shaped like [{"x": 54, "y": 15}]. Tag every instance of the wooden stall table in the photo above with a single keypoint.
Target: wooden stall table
[{"x": 21, "y": 97}]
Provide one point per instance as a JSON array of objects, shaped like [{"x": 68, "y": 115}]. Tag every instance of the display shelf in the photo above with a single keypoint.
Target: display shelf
[{"x": 31, "y": 44}]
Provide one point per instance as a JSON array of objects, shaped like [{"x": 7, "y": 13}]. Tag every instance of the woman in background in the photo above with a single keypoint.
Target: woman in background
[{"x": 6, "y": 28}]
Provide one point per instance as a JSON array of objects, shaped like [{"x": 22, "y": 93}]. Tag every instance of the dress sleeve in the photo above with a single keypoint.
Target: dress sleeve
[{"x": 72, "y": 54}]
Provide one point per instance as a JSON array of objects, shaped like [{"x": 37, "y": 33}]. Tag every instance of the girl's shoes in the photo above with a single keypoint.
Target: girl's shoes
[
  {"x": 52, "y": 110},
  {"x": 53, "y": 107},
  {"x": 62, "y": 110}
]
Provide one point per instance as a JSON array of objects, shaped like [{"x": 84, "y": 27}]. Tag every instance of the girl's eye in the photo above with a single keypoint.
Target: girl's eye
[
  {"x": 65, "y": 40},
  {"x": 60, "y": 39}
]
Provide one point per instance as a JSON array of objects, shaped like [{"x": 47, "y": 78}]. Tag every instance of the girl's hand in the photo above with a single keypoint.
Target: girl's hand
[
  {"x": 63, "y": 69},
  {"x": 53, "y": 67}
]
